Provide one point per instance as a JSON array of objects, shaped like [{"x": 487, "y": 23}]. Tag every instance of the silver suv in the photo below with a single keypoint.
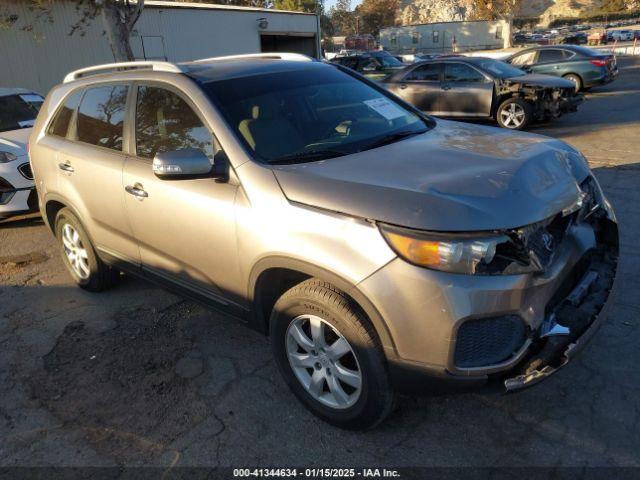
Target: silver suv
[{"x": 380, "y": 249}]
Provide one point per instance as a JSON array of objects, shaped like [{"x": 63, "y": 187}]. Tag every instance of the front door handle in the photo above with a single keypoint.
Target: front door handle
[
  {"x": 65, "y": 167},
  {"x": 137, "y": 191}
]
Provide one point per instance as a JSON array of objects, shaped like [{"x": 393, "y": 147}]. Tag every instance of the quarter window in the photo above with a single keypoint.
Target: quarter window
[
  {"x": 425, "y": 73},
  {"x": 101, "y": 116},
  {"x": 458, "y": 72},
  {"x": 60, "y": 124},
  {"x": 165, "y": 122}
]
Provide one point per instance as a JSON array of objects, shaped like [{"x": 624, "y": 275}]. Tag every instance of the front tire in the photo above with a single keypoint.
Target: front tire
[
  {"x": 330, "y": 356},
  {"x": 514, "y": 114},
  {"x": 79, "y": 256}
]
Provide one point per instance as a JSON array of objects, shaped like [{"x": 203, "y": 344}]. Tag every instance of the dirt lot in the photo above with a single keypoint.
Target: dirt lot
[{"x": 137, "y": 376}]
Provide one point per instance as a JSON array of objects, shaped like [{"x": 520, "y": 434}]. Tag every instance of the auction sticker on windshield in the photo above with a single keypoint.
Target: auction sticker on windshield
[{"x": 384, "y": 107}]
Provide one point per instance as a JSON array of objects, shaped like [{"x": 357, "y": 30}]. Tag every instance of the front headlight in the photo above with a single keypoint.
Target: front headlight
[
  {"x": 6, "y": 157},
  {"x": 456, "y": 253}
]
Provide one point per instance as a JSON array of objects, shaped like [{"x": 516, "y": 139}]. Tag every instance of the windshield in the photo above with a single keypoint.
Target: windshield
[
  {"x": 499, "y": 68},
  {"x": 310, "y": 114},
  {"x": 388, "y": 61},
  {"x": 19, "y": 111}
]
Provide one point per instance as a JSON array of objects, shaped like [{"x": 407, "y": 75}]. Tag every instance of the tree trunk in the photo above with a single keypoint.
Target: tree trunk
[
  {"x": 507, "y": 36},
  {"x": 117, "y": 31}
]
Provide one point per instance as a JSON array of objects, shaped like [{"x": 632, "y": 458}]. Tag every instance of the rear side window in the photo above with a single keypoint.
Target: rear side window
[
  {"x": 165, "y": 123},
  {"x": 553, "y": 55},
  {"x": 459, "y": 72},
  {"x": 425, "y": 73},
  {"x": 60, "y": 124},
  {"x": 101, "y": 116}
]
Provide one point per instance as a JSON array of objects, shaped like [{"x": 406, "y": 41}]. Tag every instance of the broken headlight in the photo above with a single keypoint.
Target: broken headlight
[{"x": 456, "y": 253}]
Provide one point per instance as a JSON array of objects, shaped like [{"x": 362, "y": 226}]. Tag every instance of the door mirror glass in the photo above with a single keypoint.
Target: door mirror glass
[{"x": 182, "y": 164}]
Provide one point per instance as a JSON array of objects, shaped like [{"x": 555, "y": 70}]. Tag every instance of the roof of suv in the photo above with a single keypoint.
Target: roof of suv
[{"x": 216, "y": 68}]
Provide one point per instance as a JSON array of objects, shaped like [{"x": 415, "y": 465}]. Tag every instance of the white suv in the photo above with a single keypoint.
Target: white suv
[{"x": 18, "y": 111}]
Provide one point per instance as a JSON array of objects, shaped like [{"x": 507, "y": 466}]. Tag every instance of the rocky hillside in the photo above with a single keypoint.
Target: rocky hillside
[{"x": 423, "y": 11}]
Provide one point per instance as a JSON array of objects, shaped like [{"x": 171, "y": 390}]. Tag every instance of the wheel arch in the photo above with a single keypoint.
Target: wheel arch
[{"x": 263, "y": 292}]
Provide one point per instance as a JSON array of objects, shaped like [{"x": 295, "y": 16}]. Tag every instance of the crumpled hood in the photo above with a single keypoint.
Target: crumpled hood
[
  {"x": 15, "y": 141},
  {"x": 455, "y": 177},
  {"x": 539, "y": 80}
]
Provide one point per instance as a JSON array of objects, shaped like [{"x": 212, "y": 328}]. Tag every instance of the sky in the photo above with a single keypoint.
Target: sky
[{"x": 330, "y": 3}]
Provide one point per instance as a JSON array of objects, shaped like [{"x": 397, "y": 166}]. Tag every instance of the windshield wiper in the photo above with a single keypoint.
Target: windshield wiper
[
  {"x": 394, "y": 137},
  {"x": 310, "y": 156}
]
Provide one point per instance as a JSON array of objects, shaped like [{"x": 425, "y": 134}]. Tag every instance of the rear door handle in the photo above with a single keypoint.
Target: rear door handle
[
  {"x": 65, "y": 167},
  {"x": 137, "y": 191}
]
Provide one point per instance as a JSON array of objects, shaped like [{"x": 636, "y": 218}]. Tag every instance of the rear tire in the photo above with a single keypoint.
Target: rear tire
[
  {"x": 514, "y": 114},
  {"x": 330, "y": 357},
  {"x": 577, "y": 81},
  {"x": 79, "y": 256}
]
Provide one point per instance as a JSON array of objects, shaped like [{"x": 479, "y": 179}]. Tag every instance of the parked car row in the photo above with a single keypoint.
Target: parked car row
[
  {"x": 472, "y": 87},
  {"x": 381, "y": 249},
  {"x": 18, "y": 111}
]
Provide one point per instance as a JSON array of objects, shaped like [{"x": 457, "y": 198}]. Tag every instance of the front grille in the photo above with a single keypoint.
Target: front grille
[
  {"x": 488, "y": 341},
  {"x": 25, "y": 171}
]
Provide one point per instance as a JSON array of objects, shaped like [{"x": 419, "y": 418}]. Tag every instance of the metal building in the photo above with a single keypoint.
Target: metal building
[
  {"x": 445, "y": 37},
  {"x": 40, "y": 58}
]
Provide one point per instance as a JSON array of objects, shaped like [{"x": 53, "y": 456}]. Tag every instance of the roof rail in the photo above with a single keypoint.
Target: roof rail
[
  {"x": 152, "y": 65},
  {"x": 296, "y": 57}
]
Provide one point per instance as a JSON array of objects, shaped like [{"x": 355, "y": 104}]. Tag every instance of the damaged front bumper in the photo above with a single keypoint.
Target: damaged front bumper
[{"x": 571, "y": 324}]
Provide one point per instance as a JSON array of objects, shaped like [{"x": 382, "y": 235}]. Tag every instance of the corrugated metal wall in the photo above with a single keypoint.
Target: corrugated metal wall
[{"x": 39, "y": 59}]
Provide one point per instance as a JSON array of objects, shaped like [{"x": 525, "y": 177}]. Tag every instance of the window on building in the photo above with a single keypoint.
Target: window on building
[
  {"x": 60, "y": 124},
  {"x": 436, "y": 37},
  {"x": 101, "y": 116},
  {"x": 415, "y": 37},
  {"x": 499, "y": 32},
  {"x": 459, "y": 72},
  {"x": 425, "y": 73},
  {"x": 165, "y": 123},
  {"x": 394, "y": 40}
]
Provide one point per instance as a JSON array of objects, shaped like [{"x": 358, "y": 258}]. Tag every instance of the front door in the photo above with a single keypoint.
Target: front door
[
  {"x": 185, "y": 227},
  {"x": 466, "y": 92}
]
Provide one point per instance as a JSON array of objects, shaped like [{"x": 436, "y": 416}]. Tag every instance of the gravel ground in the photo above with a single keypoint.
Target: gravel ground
[{"x": 137, "y": 376}]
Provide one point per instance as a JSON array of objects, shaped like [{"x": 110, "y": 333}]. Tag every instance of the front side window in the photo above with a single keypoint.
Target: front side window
[
  {"x": 527, "y": 58},
  {"x": 166, "y": 123},
  {"x": 60, "y": 124},
  {"x": 19, "y": 111},
  {"x": 101, "y": 116},
  {"x": 425, "y": 73},
  {"x": 316, "y": 112},
  {"x": 459, "y": 73}
]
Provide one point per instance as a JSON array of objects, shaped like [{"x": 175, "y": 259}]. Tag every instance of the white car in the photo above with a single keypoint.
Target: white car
[
  {"x": 18, "y": 111},
  {"x": 622, "y": 35}
]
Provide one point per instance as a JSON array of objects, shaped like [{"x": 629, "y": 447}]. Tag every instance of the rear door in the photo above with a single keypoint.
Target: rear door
[
  {"x": 90, "y": 169},
  {"x": 466, "y": 92},
  {"x": 553, "y": 61},
  {"x": 185, "y": 228},
  {"x": 420, "y": 87}
]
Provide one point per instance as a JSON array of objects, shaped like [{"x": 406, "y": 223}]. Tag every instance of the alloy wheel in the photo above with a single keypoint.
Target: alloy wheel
[
  {"x": 513, "y": 116},
  {"x": 323, "y": 361},
  {"x": 75, "y": 251}
]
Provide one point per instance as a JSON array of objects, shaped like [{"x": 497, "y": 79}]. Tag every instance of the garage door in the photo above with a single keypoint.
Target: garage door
[{"x": 289, "y": 43}]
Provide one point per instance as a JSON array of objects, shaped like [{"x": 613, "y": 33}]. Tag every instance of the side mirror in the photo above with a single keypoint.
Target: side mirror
[{"x": 187, "y": 164}]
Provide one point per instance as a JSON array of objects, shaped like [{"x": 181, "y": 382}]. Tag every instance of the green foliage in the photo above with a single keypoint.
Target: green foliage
[{"x": 377, "y": 14}]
